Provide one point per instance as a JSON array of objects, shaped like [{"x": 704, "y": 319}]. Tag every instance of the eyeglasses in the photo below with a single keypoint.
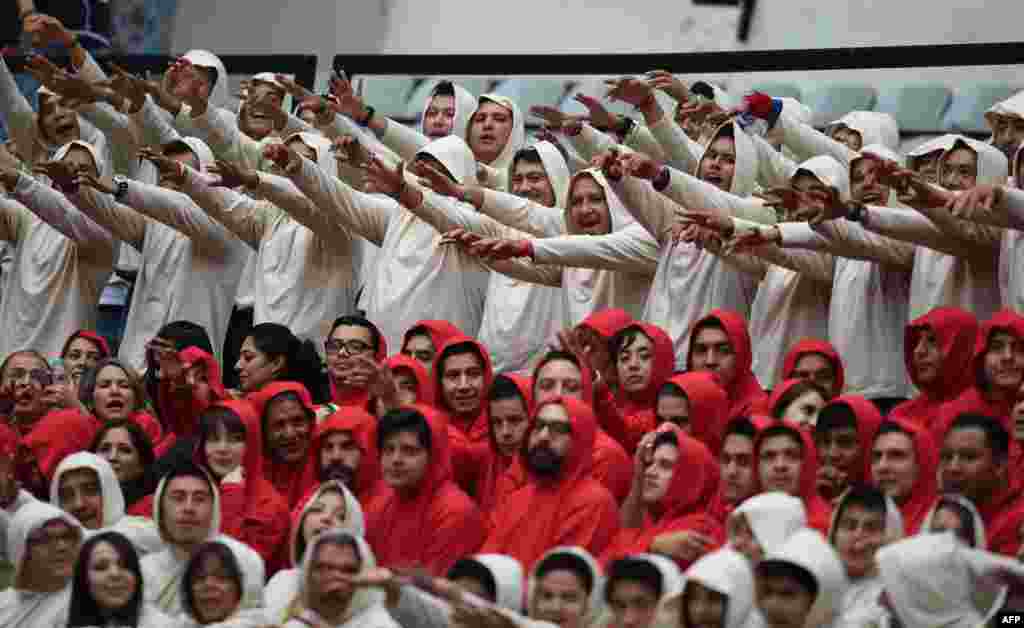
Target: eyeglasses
[
  {"x": 557, "y": 428},
  {"x": 40, "y": 376},
  {"x": 351, "y": 347}
]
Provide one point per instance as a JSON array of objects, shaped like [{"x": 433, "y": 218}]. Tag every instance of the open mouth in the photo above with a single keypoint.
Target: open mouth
[
  {"x": 714, "y": 179},
  {"x": 64, "y": 128},
  {"x": 115, "y": 405}
]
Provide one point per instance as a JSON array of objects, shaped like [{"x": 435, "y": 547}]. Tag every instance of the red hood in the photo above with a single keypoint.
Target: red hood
[
  {"x": 957, "y": 332},
  {"x": 425, "y": 392},
  {"x": 694, "y": 479},
  {"x": 97, "y": 339},
  {"x": 607, "y": 323},
  {"x": 497, "y": 472},
  {"x": 661, "y": 369},
  {"x": 476, "y": 428},
  {"x": 926, "y": 487},
  {"x": 8, "y": 441},
  {"x": 813, "y": 345},
  {"x": 440, "y": 333},
  {"x": 744, "y": 389},
  {"x": 286, "y": 479},
  {"x": 525, "y": 386},
  {"x": 584, "y": 433},
  {"x": 188, "y": 357},
  {"x": 868, "y": 422},
  {"x": 253, "y": 459},
  {"x": 808, "y": 468},
  {"x": 359, "y": 396},
  {"x": 58, "y": 435},
  {"x": 709, "y": 407},
  {"x": 362, "y": 426},
  {"x": 1002, "y": 321},
  {"x": 587, "y": 386},
  {"x": 779, "y": 392}
]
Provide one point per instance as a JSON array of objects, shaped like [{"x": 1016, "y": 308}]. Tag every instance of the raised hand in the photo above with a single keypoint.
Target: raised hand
[
  {"x": 461, "y": 237},
  {"x": 599, "y": 114},
  {"x": 351, "y": 152},
  {"x": 43, "y": 70},
  {"x": 669, "y": 84},
  {"x": 785, "y": 200},
  {"x": 233, "y": 175},
  {"x": 912, "y": 189},
  {"x": 298, "y": 92},
  {"x": 609, "y": 163},
  {"x": 321, "y": 108},
  {"x": 47, "y": 30},
  {"x": 173, "y": 170},
  {"x": 384, "y": 179},
  {"x": 709, "y": 218},
  {"x": 9, "y": 176},
  {"x": 431, "y": 177},
  {"x": 977, "y": 202},
  {"x": 749, "y": 238},
  {"x": 347, "y": 102},
  {"x": 280, "y": 155},
  {"x": 498, "y": 249},
  {"x": 553, "y": 117},
  {"x": 640, "y": 166},
  {"x": 62, "y": 174},
  {"x": 634, "y": 91},
  {"x": 101, "y": 184},
  {"x": 128, "y": 85}
]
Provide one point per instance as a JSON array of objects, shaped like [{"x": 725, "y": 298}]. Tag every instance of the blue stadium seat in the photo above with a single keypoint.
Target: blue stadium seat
[
  {"x": 388, "y": 95},
  {"x": 917, "y": 108},
  {"x": 832, "y": 101},
  {"x": 967, "y": 112},
  {"x": 527, "y": 92}
]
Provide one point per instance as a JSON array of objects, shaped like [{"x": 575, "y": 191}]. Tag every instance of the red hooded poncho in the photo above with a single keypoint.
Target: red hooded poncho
[
  {"x": 638, "y": 409},
  {"x": 96, "y": 339},
  {"x": 974, "y": 399},
  {"x": 342, "y": 397},
  {"x": 744, "y": 392},
  {"x": 606, "y": 323},
  {"x": 361, "y": 425},
  {"x": 709, "y": 407},
  {"x": 500, "y": 474},
  {"x": 719, "y": 508},
  {"x": 819, "y": 511},
  {"x": 956, "y": 331},
  {"x": 425, "y": 392},
  {"x": 184, "y": 415},
  {"x": 820, "y": 347},
  {"x": 868, "y": 422},
  {"x": 436, "y": 524},
  {"x": 286, "y": 479},
  {"x": 926, "y": 487},
  {"x": 440, "y": 333},
  {"x": 684, "y": 506},
  {"x": 252, "y": 512},
  {"x": 474, "y": 428},
  {"x": 572, "y": 509}
]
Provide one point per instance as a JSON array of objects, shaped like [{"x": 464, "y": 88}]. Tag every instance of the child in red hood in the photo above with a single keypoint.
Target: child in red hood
[
  {"x": 816, "y": 361},
  {"x": 424, "y": 340},
  {"x": 843, "y": 435},
  {"x": 787, "y": 462},
  {"x": 644, "y": 360},
  {"x": 698, "y": 404},
  {"x": 720, "y": 343}
]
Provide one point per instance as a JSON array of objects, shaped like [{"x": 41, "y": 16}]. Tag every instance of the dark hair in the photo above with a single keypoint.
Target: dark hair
[
  {"x": 889, "y": 427},
  {"x": 671, "y": 389},
  {"x": 867, "y": 497},
  {"x": 302, "y": 363},
  {"x": 624, "y": 339},
  {"x": 144, "y": 484},
  {"x": 403, "y": 420},
  {"x": 355, "y": 320},
  {"x": 79, "y": 335},
  {"x": 14, "y": 354},
  {"x": 211, "y": 420},
  {"x": 84, "y": 611},
  {"x": 210, "y": 549},
  {"x": 996, "y": 437},
  {"x": 667, "y": 437},
  {"x": 772, "y": 568},
  {"x": 474, "y": 570},
  {"x": 527, "y": 154},
  {"x": 183, "y": 334},
  {"x": 443, "y": 88},
  {"x": 740, "y": 426},
  {"x": 684, "y": 608},
  {"x": 966, "y": 517},
  {"x": 459, "y": 348},
  {"x": 564, "y": 561},
  {"x": 184, "y": 469},
  {"x": 633, "y": 570},
  {"x": 781, "y": 429},
  {"x": 556, "y": 355},
  {"x": 793, "y": 393},
  {"x": 87, "y": 385},
  {"x": 835, "y": 416},
  {"x": 504, "y": 388},
  {"x": 418, "y": 330}
]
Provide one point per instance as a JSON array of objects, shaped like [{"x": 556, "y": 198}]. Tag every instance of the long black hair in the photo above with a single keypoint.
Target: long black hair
[
  {"x": 183, "y": 334},
  {"x": 302, "y": 363},
  {"x": 210, "y": 549},
  {"x": 84, "y": 611},
  {"x": 145, "y": 484}
]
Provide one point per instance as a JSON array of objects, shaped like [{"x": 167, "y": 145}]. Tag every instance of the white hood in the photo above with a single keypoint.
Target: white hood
[
  {"x": 980, "y": 541},
  {"x": 893, "y": 520},
  {"x": 101, "y": 164},
  {"x": 354, "y": 519},
  {"x": 113, "y": 498},
  {"x": 454, "y": 153},
  {"x": 933, "y": 580},
  {"x": 807, "y": 548},
  {"x": 28, "y": 519},
  {"x": 1012, "y": 106},
  {"x": 214, "y": 519},
  {"x": 798, "y": 110},
  {"x": 364, "y": 598},
  {"x": 555, "y": 167},
  {"x": 724, "y": 571},
  {"x": 271, "y": 79},
  {"x": 744, "y": 179},
  {"x": 516, "y": 138},
  {"x": 773, "y": 517},
  {"x": 618, "y": 216},
  {"x": 253, "y": 578},
  {"x": 881, "y": 152},
  {"x": 465, "y": 105},
  {"x": 508, "y": 576},
  {"x": 1018, "y": 168},
  {"x": 993, "y": 167},
  {"x": 595, "y": 603},
  {"x": 198, "y": 148},
  {"x": 830, "y": 172},
  {"x": 321, "y": 147},
  {"x": 874, "y": 127},
  {"x": 672, "y": 581},
  {"x": 219, "y": 94}
]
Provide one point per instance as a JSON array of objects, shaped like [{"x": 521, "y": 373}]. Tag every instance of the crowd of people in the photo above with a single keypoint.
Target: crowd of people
[{"x": 709, "y": 367}]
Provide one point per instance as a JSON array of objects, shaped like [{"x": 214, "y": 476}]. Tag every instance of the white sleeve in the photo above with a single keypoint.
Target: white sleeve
[
  {"x": 523, "y": 214},
  {"x": 773, "y": 168},
  {"x": 59, "y": 212},
  {"x": 851, "y": 240},
  {"x": 179, "y": 212},
  {"x": 125, "y": 223},
  {"x": 589, "y": 142},
  {"x": 282, "y": 192},
  {"x": 444, "y": 213},
  {"x": 910, "y": 226},
  {"x": 404, "y": 140},
  {"x": 242, "y": 215},
  {"x": 683, "y": 153},
  {"x": 156, "y": 124},
  {"x": 18, "y": 116},
  {"x": 643, "y": 141},
  {"x": 807, "y": 142},
  {"x": 526, "y": 270},
  {"x": 226, "y": 140},
  {"x": 1014, "y": 204},
  {"x": 689, "y": 191},
  {"x": 630, "y": 250},
  {"x": 812, "y": 264},
  {"x": 653, "y": 210}
]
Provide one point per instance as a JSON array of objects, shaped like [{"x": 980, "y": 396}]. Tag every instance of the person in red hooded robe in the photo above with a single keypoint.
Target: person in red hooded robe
[
  {"x": 937, "y": 351},
  {"x": 904, "y": 464},
  {"x": 510, "y": 405},
  {"x": 644, "y": 359},
  {"x": 424, "y": 340},
  {"x": 797, "y": 401},
  {"x": 843, "y": 435},
  {"x": 997, "y": 368},
  {"x": 675, "y": 477},
  {"x": 420, "y": 518},
  {"x": 287, "y": 421},
  {"x": 592, "y": 339},
  {"x": 462, "y": 376},
  {"x": 560, "y": 503},
  {"x": 698, "y": 404},
  {"x": 351, "y": 336},
  {"x": 787, "y": 462},
  {"x": 737, "y": 468},
  {"x": 230, "y": 447},
  {"x": 817, "y": 361},
  {"x": 565, "y": 373},
  {"x": 81, "y": 351},
  {"x": 720, "y": 343}
]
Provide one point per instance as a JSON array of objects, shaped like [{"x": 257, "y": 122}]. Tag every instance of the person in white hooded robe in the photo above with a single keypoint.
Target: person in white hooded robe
[
  {"x": 62, "y": 258},
  {"x": 564, "y": 588},
  {"x": 328, "y": 598},
  {"x": 85, "y": 486},
  {"x": 805, "y": 562},
  {"x": 1006, "y": 119},
  {"x": 42, "y": 543},
  {"x": 957, "y": 514},
  {"x": 331, "y": 507},
  {"x": 222, "y": 587},
  {"x": 718, "y": 590},
  {"x": 637, "y": 588},
  {"x": 414, "y": 278},
  {"x": 191, "y": 264},
  {"x": 763, "y": 523}
]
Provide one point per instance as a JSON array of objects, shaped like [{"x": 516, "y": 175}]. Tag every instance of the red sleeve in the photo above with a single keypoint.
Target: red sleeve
[
  {"x": 457, "y": 530},
  {"x": 151, "y": 427},
  {"x": 613, "y": 468},
  {"x": 262, "y": 525},
  {"x": 608, "y": 415},
  {"x": 142, "y": 508},
  {"x": 232, "y": 509},
  {"x": 592, "y": 522},
  {"x": 468, "y": 460}
]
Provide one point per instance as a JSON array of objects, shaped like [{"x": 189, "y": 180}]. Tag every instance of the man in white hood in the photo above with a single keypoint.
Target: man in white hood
[
  {"x": 62, "y": 258},
  {"x": 637, "y": 587},
  {"x": 329, "y": 598},
  {"x": 186, "y": 511},
  {"x": 763, "y": 523},
  {"x": 85, "y": 486},
  {"x": 800, "y": 584},
  {"x": 42, "y": 543},
  {"x": 1006, "y": 119},
  {"x": 724, "y": 574}
]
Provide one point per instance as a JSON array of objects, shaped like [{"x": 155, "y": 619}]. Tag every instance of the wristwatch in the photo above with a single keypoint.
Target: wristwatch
[
  {"x": 625, "y": 127},
  {"x": 856, "y": 212},
  {"x": 120, "y": 187}
]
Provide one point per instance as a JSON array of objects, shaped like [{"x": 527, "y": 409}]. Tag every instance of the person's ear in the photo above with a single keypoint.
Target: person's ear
[{"x": 278, "y": 364}]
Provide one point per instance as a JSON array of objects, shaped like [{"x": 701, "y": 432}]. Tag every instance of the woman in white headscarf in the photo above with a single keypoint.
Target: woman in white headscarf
[
  {"x": 62, "y": 258},
  {"x": 222, "y": 587},
  {"x": 42, "y": 544},
  {"x": 77, "y": 498}
]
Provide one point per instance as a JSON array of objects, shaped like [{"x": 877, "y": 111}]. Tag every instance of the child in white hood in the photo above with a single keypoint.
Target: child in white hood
[
  {"x": 801, "y": 583},
  {"x": 564, "y": 588},
  {"x": 718, "y": 591},
  {"x": 637, "y": 588},
  {"x": 493, "y": 577},
  {"x": 763, "y": 523}
]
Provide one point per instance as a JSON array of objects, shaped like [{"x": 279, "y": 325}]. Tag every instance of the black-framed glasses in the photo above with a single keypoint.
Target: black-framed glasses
[
  {"x": 350, "y": 347},
  {"x": 556, "y": 428},
  {"x": 42, "y": 377}
]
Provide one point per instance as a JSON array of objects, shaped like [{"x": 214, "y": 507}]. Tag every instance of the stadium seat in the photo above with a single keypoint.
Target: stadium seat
[
  {"x": 778, "y": 90},
  {"x": 388, "y": 95},
  {"x": 967, "y": 111},
  {"x": 917, "y": 108},
  {"x": 831, "y": 101}
]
